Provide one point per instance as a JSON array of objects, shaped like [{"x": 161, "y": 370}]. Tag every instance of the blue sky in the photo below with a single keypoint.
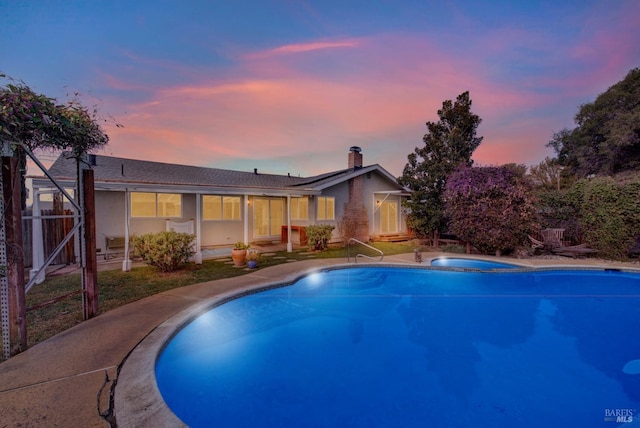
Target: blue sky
[{"x": 289, "y": 86}]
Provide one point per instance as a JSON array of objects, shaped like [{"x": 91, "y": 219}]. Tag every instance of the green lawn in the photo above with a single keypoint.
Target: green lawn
[{"x": 117, "y": 288}]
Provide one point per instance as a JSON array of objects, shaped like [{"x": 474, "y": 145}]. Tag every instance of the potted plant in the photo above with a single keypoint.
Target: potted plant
[
  {"x": 252, "y": 259},
  {"x": 239, "y": 253}
]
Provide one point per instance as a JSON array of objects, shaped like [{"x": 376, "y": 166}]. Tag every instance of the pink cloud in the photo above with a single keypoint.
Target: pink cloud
[
  {"x": 297, "y": 48},
  {"x": 375, "y": 92}
]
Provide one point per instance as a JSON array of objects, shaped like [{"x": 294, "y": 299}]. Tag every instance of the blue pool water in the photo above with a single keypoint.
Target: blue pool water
[
  {"x": 401, "y": 347},
  {"x": 470, "y": 263}
]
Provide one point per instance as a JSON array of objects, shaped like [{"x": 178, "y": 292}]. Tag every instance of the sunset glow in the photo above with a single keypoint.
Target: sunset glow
[{"x": 288, "y": 87}]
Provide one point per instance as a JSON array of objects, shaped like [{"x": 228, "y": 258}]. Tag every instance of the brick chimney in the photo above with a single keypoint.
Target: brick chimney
[
  {"x": 355, "y": 157},
  {"x": 355, "y": 213}
]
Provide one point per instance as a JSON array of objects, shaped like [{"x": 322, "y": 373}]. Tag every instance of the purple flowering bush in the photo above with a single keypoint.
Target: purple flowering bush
[{"x": 492, "y": 208}]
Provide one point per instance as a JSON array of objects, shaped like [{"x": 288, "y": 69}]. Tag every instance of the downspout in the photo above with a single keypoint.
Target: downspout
[
  {"x": 289, "y": 243},
  {"x": 126, "y": 263}
]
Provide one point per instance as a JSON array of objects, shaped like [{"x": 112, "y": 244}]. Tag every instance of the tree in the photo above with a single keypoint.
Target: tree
[
  {"x": 448, "y": 143},
  {"x": 607, "y": 137},
  {"x": 547, "y": 174},
  {"x": 492, "y": 208},
  {"x": 37, "y": 122}
]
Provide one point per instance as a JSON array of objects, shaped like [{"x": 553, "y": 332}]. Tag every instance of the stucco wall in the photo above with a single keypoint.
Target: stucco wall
[
  {"x": 110, "y": 216},
  {"x": 222, "y": 232}
]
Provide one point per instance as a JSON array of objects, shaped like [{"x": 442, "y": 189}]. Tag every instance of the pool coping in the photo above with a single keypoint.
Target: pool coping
[{"x": 137, "y": 398}]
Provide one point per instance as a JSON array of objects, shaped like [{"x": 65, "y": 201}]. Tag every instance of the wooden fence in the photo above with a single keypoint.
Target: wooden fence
[{"x": 53, "y": 232}]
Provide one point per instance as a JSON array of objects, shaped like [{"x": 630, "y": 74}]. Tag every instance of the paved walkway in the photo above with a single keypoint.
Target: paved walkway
[{"x": 66, "y": 380}]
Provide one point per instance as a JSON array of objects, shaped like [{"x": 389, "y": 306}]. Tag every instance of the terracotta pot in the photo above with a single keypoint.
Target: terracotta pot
[{"x": 239, "y": 257}]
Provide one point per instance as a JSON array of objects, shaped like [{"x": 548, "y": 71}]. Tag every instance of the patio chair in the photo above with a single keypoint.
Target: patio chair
[
  {"x": 552, "y": 238},
  {"x": 536, "y": 244}
]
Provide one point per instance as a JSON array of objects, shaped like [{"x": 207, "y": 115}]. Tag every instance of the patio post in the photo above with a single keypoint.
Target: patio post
[
  {"x": 37, "y": 251},
  {"x": 126, "y": 263},
  {"x": 246, "y": 219},
  {"x": 289, "y": 244},
  {"x": 197, "y": 257}
]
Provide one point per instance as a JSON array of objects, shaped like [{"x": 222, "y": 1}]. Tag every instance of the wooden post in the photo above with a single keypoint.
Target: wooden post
[
  {"x": 15, "y": 260},
  {"x": 91, "y": 267}
]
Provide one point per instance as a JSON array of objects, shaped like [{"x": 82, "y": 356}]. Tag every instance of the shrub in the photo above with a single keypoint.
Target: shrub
[
  {"x": 168, "y": 251},
  {"x": 491, "y": 207},
  {"x": 319, "y": 236},
  {"x": 608, "y": 214},
  {"x": 347, "y": 228},
  {"x": 599, "y": 211}
]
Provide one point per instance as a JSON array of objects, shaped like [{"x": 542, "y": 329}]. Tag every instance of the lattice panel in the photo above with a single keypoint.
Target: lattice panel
[{"x": 4, "y": 284}]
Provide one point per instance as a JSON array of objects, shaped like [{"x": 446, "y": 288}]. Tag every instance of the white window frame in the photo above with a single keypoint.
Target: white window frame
[
  {"x": 162, "y": 204},
  {"x": 156, "y": 206},
  {"x": 298, "y": 212},
  {"x": 323, "y": 205},
  {"x": 229, "y": 208}
]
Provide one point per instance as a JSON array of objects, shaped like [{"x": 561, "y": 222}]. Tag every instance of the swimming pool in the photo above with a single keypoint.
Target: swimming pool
[
  {"x": 470, "y": 263},
  {"x": 413, "y": 347}
]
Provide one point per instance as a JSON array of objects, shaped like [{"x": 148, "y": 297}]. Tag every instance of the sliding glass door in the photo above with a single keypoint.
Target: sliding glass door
[{"x": 268, "y": 217}]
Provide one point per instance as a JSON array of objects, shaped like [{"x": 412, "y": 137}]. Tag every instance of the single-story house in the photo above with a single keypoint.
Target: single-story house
[{"x": 221, "y": 207}]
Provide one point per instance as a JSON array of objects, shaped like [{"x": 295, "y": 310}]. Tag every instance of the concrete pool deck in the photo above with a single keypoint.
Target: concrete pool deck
[{"x": 67, "y": 380}]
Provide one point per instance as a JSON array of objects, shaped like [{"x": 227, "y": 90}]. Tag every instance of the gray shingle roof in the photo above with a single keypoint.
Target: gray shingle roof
[{"x": 122, "y": 170}]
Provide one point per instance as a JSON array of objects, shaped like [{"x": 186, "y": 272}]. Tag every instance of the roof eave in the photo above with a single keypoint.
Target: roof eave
[
  {"x": 357, "y": 172},
  {"x": 114, "y": 186}
]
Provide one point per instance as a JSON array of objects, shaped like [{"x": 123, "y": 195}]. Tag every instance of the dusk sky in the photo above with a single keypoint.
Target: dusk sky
[{"x": 289, "y": 86}]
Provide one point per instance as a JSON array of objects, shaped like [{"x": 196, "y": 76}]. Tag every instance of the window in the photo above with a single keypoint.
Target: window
[
  {"x": 299, "y": 208},
  {"x": 212, "y": 207},
  {"x": 216, "y": 207},
  {"x": 231, "y": 208},
  {"x": 147, "y": 204},
  {"x": 169, "y": 205},
  {"x": 326, "y": 208},
  {"x": 143, "y": 204}
]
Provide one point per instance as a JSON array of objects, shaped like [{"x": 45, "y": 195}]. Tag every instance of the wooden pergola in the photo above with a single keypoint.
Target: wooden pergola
[{"x": 13, "y": 287}]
